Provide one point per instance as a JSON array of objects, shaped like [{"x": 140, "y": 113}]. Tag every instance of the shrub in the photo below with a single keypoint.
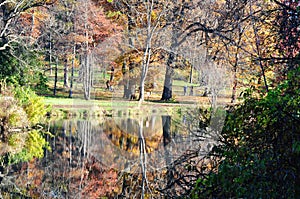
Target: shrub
[
  {"x": 34, "y": 147},
  {"x": 260, "y": 156},
  {"x": 19, "y": 115},
  {"x": 33, "y": 104}
]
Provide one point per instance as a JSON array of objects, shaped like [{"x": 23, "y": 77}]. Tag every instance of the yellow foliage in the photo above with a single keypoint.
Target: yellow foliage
[{"x": 256, "y": 40}]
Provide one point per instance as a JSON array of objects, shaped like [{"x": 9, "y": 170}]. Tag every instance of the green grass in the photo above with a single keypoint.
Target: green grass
[
  {"x": 81, "y": 102},
  {"x": 80, "y": 108},
  {"x": 183, "y": 83}
]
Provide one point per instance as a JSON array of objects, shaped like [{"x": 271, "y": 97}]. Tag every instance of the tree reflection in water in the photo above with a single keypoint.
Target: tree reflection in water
[{"x": 146, "y": 156}]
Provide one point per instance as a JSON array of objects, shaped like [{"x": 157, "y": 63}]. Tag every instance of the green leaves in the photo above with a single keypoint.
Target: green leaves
[
  {"x": 34, "y": 147},
  {"x": 260, "y": 154},
  {"x": 33, "y": 104},
  {"x": 35, "y": 144}
]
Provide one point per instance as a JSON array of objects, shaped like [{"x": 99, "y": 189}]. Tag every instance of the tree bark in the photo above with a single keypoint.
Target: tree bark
[
  {"x": 166, "y": 120},
  {"x": 55, "y": 78},
  {"x": 176, "y": 19},
  {"x": 66, "y": 76},
  {"x": 129, "y": 84},
  {"x": 191, "y": 74},
  {"x": 72, "y": 73},
  {"x": 87, "y": 80},
  {"x": 168, "y": 83},
  {"x": 151, "y": 27},
  {"x": 145, "y": 67},
  {"x": 86, "y": 65}
]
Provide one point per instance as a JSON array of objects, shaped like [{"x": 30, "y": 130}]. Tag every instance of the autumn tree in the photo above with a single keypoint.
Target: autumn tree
[
  {"x": 153, "y": 20},
  {"x": 175, "y": 20},
  {"x": 180, "y": 15},
  {"x": 73, "y": 37},
  {"x": 237, "y": 37},
  {"x": 125, "y": 14},
  {"x": 10, "y": 13},
  {"x": 94, "y": 28},
  {"x": 18, "y": 31},
  {"x": 286, "y": 26}
]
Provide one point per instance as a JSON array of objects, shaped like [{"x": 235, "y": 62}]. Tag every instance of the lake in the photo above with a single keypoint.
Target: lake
[{"x": 119, "y": 155}]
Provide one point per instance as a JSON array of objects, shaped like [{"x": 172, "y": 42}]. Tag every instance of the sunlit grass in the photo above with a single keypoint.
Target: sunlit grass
[
  {"x": 68, "y": 102},
  {"x": 183, "y": 83}
]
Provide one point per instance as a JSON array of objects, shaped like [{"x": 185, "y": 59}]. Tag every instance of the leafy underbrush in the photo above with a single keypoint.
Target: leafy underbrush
[
  {"x": 260, "y": 154},
  {"x": 21, "y": 113}
]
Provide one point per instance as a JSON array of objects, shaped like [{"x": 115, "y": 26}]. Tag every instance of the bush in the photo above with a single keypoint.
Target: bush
[
  {"x": 33, "y": 104},
  {"x": 27, "y": 72},
  {"x": 260, "y": 154},
  {"x": 34, "y": 147},
  {"x": 19, "y": 116}
]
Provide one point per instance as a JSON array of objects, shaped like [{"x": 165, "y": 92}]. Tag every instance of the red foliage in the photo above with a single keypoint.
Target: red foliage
[
  {"x": 31, "y": 22},
  {"x": 100, "y": 181},
  {"x": 94, "y": 22},
  {"x": 289, "y": 26}
]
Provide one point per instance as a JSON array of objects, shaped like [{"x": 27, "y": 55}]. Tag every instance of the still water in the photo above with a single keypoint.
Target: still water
[{"x": 90, "y": 157}]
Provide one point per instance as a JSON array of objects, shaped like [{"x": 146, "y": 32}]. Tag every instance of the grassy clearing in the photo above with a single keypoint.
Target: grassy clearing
[
  {"x": 111, "y": 102},
  {"x": 69, "y": 103},
  {"x": 182, "y": 83}
]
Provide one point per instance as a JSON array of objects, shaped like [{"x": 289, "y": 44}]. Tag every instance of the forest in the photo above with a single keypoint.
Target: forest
[{"x": 149, "y": 99}]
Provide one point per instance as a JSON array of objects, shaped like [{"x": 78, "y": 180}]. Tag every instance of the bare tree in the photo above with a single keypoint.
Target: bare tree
[
  {"x": 151, "y": 26},
  {"x": 10, "y": 13}
]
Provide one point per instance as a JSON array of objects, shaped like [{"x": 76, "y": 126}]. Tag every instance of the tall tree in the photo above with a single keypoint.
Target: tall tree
[
  {"x": 88, "y": 30},
  {"x": 176, "y": 21},
  {"x": 151, "y": 24},
  {"x": 180, "y": 12},
  {"x": 10, "y": 13},
  {"x": 18, "y": 34}
]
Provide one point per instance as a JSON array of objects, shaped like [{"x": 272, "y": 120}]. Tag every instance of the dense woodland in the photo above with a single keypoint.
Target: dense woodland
[{"x": 88, "y": 48}]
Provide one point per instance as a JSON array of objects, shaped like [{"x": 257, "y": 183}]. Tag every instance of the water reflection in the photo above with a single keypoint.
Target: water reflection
[
  {"x": 119, "y": 142},
  {"x": 89, "y": 156},
  {"x": 125, "y": 133}
]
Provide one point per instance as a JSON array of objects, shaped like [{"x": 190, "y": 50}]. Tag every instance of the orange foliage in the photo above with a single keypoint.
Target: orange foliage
[
  {"x": 100, "y": 181},
  {"x": 95, "y": 24},
  {"x": 32, "y": 21}
]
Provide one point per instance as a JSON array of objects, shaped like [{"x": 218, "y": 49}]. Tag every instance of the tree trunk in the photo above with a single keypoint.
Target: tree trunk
[
  {"x": 72, "y": 73},
  {"x": 129, "y": 84},
  {"x": 86, "y": 65},
  {"x": 87, "y": 78},
  {"x": 129, "y": 90},
  {"x": 167, "y": 92},
  {"x": 168, "y": 83},
  {"x": 145, "y": 66},
  {"x": 179, "y": 13},
  {"x": 144, "y": 72},
  {"x": 166, "y": 121},
  {"x": 191, "y": 74},
  {"x": 66, "y": 76},
  {"x": 50, "y": 53},
  {"x": 147, "y": 53},
  {"x": 233, "y": 96},
  {"x": 142, "y": 90},
  {"x": 55, "y": 78}
]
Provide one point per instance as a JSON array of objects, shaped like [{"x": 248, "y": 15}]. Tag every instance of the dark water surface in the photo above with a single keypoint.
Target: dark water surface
[{"x": 90, "y": 157}]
